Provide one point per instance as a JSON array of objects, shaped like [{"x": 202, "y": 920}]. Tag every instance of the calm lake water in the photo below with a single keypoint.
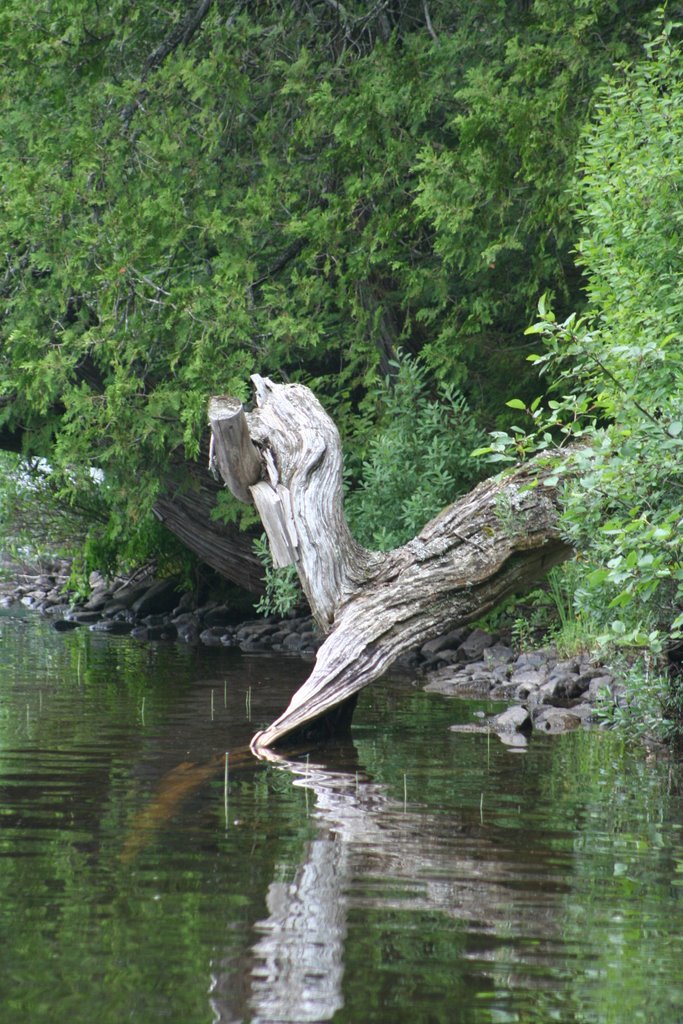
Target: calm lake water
[{"x": 414, "y": 875}]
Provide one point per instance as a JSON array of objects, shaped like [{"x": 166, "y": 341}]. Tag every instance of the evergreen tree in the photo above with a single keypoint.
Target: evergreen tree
[{"x": 190, "y": 195}]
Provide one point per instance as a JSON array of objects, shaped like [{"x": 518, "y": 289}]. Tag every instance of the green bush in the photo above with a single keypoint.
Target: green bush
[
  {"x": 418, "y": 460},
  {"x": 41, "y": 513},
  {"x": 617, "y": 372}
]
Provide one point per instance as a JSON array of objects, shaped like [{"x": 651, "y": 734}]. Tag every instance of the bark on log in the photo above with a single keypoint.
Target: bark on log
[{"x": 374, "y": 606}]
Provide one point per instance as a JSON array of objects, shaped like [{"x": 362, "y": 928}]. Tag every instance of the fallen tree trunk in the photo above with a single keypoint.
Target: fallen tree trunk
[
  {"x": 185, "y": 505},
  {"x": 374, "y": 606}
]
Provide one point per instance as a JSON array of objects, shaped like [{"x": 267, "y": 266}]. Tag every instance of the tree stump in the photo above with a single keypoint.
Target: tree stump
[{"x": 374, "y": 606}]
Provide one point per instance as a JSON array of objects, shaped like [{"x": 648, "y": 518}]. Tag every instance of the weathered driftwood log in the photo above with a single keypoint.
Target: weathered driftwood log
[{"x": 374, "y": 606}]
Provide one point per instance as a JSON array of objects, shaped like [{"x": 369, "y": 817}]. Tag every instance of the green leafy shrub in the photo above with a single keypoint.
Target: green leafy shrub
[
  {"x": 283, "y": 591},
  {"x": 418, "y": 459},
  {"x": 42, "y": 514},
  {"x": 617, "y": 372}
]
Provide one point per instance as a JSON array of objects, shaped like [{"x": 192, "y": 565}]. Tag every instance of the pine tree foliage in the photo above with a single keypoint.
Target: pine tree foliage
[{"x": 193, "y": 193}]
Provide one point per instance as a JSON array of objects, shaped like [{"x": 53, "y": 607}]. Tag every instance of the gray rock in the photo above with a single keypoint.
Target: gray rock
[
  {"x": 514, "y": 740},
  {"x": 502, "y": 691},
  {"x": 83, "y": 618},
  {"x": 469, "y": 727},
  {"x": 498, "y": 654},
  {"x": 554, "y": 689},
  {"x": 251, "y": 646},
  {"x": 161, "y": 597},
  {"x": 98, "y": 598},
  {"x": 459, "y": 684},
  {"x": 64, "y": 625},
  {"x": 184, "y": 619},
  {"x": 584, "y": 712},
  {"x": 483, "y": 681},
  {"x": 204, "y": 609},
  {"x": 153, "y": 632},
  {"x": 127, "y": 595},
  {"x": 293, "y": 642},
  {"x": 501, "y": 674},
  {"x": 278, "y": 636},
  {"x": 556, "y": 720},
  {"x": 472, "y": 667},
  {"x": 188, "y": 633},
  {"x": 445, "y": 657},
  {"x": 447, "y": 641},
  {"x": 125, "y": 615},
  {"x": 57, "y": 610},
  {"x": 219, "y": 616},
  {"x": 571, "y": 666},
  {"x": 155, "y": 620},
  {"x": 211, "y": 637},
  {"x": 409, "y": 660},
  {"x": 257, "y": 630},
  {"x": 514, "y": 719},
  {"x": 578, "y": 685},
  {"x": 140, "y": 633},
  {"x": 474, "y": 646},
  {"x": 111, "y": 626},
  {"x": 527, "y": 680},
  {"x": 599, "y": 687},
  {"x": 186, "y": 602},
  {"x": 111, "y": 607},
  {"x": 535, "y": 659}
]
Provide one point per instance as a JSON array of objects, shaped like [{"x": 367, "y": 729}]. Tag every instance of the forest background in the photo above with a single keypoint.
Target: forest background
[{"x": 460, "y": 223}]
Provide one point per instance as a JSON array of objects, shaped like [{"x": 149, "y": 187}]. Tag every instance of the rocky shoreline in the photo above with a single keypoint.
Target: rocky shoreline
[{"x": 543, "y": 691}]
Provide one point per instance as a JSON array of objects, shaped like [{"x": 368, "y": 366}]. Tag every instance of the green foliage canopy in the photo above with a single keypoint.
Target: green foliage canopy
[{"x": 191, "y": 195}]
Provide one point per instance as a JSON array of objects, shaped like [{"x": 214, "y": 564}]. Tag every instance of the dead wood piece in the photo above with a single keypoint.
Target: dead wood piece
[
  {"x": 238, "y": 459},
  {"x": 375, "y": 606}
]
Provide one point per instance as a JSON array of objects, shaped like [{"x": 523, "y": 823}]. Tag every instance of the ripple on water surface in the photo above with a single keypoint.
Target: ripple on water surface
[{"x": 414, "y": 875}]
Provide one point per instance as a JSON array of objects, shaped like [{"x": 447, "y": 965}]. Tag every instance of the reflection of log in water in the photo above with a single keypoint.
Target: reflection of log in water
[
  {"x": 298, "y": 959},
  {"x": 413, "y": 859}
]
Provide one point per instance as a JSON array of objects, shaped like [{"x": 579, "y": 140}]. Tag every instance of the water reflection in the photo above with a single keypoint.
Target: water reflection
[
  {"x": 420, "y": 878},
  {"x": 373, "y": 851}
]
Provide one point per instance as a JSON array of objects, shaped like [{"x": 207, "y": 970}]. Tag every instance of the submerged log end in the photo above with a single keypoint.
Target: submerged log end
[{"x": 334, "y": 722}]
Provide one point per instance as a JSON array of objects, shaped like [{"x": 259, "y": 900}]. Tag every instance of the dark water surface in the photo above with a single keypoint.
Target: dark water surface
[{"x": 417, "y": 875}]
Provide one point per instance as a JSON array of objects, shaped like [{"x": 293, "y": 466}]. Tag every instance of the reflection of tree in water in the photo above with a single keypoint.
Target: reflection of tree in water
[{"x": 374, "y": 851}]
